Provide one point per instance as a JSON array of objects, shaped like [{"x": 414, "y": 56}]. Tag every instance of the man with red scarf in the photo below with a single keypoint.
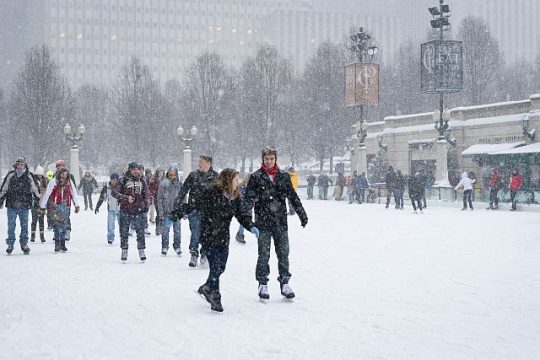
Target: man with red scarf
[{"x": 267, "y": 190}]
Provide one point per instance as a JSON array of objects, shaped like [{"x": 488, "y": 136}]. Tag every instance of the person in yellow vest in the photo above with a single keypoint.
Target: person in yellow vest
[{"x": 294, "y": 181}]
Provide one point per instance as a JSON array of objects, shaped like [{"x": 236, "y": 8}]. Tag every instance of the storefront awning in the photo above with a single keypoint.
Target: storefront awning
[
  {"x": 527, "y": 149},
  {"x": 489, "y": 149}
]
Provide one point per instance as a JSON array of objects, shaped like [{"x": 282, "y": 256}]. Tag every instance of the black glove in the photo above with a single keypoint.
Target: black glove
[
  {"x": 303, "y": 221},
  {"x": 96, "y": 211}
]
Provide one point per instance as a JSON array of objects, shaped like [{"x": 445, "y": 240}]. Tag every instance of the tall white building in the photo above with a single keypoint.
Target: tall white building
[
  {"x": 297, "y": 33},
  {"x": 92, "y": 39}
]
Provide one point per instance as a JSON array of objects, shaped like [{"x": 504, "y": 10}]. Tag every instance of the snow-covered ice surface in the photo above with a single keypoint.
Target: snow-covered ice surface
[{"x": 371, "y": 284}]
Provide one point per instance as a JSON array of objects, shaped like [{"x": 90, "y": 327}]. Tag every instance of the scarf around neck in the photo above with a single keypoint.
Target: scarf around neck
[{"x": 272, "y": 172}]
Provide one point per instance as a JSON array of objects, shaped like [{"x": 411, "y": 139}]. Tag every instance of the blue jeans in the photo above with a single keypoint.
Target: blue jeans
[
  {"x": 111, "y": 218},
  {"x": 136, "y": 221},
  {"x": 398, "y": 198},
  {"x": 167, "y": 223},
  {"x": 60, "y": 228},
  {"x": 12, "y": 214},
  {"x": 217, "y": 260},
  {"x": 195, "y": 219}
]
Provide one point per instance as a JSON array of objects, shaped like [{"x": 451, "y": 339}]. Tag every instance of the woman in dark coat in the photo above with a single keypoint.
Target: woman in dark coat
[{"x": 218, "y": 204}]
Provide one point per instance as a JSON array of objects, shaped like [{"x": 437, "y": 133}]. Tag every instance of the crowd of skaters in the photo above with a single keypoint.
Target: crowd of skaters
[{"x": 207, "y": 199}]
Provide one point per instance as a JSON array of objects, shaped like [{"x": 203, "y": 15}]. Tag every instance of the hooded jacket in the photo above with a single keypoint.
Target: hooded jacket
[
  {"x": 107, "y": 194},
  {"x": 167, "y": 193},
  {"x": 88, "y": 184},
  {"x": 19, "y": 191},
  {"x": 465, "y": 182}
]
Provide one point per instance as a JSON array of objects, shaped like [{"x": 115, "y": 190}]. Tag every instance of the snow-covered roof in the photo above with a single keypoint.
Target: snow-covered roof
[
  {"x": 485, "y": 106},
  {"x": 527, "y": 149},
  {"x": 482, "y": 149}
]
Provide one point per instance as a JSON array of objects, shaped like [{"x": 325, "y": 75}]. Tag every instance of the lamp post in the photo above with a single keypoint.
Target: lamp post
[
  {"x": 186, "y": 139},
  {"x": 363, "y": 51},
  {"x": 529, "y": 133},
  {"x": 74, "y": 138}
]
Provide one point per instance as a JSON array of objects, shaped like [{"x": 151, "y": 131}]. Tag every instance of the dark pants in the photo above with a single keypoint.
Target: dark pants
[
  {"x": 416, "y": 203},
  {"x": 217, "y": 256},
  {"x": 467, "y": 199},
  {"x": 35, "y": 219},
  {"x": 310, "y": 191},
  {"x": 324, "y": 192},
  {"x": 88, "y": 200},
  {"x": 195, "y": 220},
  {"x": 361, "y": 195},
  {"x": 513, "y": 194},
  {"x": 281, "y": 244},
  {"x": 493, "y": 199},
  {"x": 136, "y": 221}
]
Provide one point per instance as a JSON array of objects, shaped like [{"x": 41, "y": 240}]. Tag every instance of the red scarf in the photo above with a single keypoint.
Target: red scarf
[
  {"x": 272, "y": 172},
  {"x": 58, "y": 195}
]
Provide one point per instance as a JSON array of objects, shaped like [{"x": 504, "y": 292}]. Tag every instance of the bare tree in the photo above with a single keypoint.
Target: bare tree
[
  {"x": 203, "y": 97},
  {"x": 270, "y": 74},
  {"x": 516, "y": 81},
  {"x": 481, "y": 60},
  {"x": 324, "y": 88},
  {"x": 141, "y": 111},
  {"x": 40, "y": 102},
  {"x": 93, "y": 110}
]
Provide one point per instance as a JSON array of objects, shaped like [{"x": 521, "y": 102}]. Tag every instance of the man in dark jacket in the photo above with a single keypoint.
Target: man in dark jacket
[
  {"x": 311, "y": 180},
  {"x": 195, "y": 184},
  {"x": 267, "y": 190},
  {"x": 416, "y": 190},
  {"x": 323, "y": 183},
  {"x": 399, "y": 188},
  {"x": 169, "y": 188},
  {"x": 88, "y": 184},
  {"x": 19, "y": 190},
  {"x": 132, "y": 193},
  {"x": 390, "y": 183}
]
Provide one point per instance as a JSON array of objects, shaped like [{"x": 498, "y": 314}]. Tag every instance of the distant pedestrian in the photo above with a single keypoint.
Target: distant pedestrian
[
  {"x": 467, "y": 184},
  {"x": 41, "y": 181},
  {"x": 515, "y": 184},
  {"x": 399, "y": 189},
  {"x": 363, "y": 185},
  {"x": 416, "y": 191},
  {"x": 88, "y": 184},
  {"x": 494, "y": 184},
  {"x": 169, "y": 188},
  {"x": 390, "y": 179},
  {"x": 311, "y": 180},
  {"x": 323, "y": 183}
]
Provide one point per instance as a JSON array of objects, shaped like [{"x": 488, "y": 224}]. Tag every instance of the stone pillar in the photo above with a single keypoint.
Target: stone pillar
[
  {"x": 74, "y": 163},
  {"x": 187, "y": 162},
  {"x": 441, "y": 174},
  {"x": 361, "y": 160}
]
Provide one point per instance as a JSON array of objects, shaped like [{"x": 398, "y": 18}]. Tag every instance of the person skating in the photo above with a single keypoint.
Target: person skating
[
  {"x": 416, "y": 191},
  {"x": 494, "y": 184},
  {"x": 196, "y": 182},
  {"x": 88, "y": 184},
  {"x": 169, "y": 188},
  {"x": 467, "y": 184},
  {"x": 353, "y": 188},
  {"x": 390, "y": 179},
  {"x": 41, "y": 181},
  {"x": 363, "y": 185},
  {"x": 113, "y": 206},
  {"x": 132, "y": 193},
  {"x": 218, "y": 203},
  {"x": 324, "y": 183},
  {"x": 60, "y": 194},
  {"x": 49, "y": 175},
  {"x": 311, "y": 180},
  {"x": 240, "y": 233},
  {"x": 399, "y": 189},
  {"x": 59, "y": 165},
  {"x": 19, "y": 191},
  {"x": 515, "y": 183},
  {"x": 267, "y": 189}
]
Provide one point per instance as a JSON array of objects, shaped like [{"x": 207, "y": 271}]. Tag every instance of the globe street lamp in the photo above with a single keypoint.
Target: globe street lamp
[
  {"x": 74, "y": 138},
  {"x": 186, "y": 138}
]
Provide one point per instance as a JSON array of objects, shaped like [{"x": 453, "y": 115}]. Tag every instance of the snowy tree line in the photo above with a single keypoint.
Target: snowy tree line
[{"x": 237, "y": 111}]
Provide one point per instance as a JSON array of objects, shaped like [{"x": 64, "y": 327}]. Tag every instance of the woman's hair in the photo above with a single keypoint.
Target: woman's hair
[
  {"x": 59, "y": 175},
  {"x": 224, "y": 182}
]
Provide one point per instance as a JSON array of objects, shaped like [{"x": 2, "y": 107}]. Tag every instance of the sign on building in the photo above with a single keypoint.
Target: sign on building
[
  {"x": 361, "y": 84},
  {"x": 441, "y": 66}
]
